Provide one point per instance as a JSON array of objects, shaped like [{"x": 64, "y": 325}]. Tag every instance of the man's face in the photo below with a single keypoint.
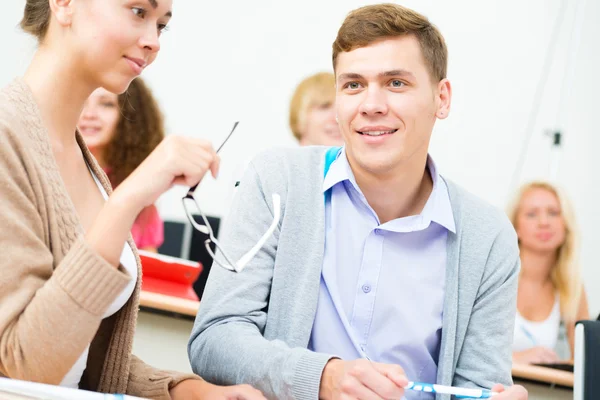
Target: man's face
[{"x": 387, "y": 104}]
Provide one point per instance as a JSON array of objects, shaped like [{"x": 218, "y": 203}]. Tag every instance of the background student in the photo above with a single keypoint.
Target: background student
[{"x": 550, "y": 286}]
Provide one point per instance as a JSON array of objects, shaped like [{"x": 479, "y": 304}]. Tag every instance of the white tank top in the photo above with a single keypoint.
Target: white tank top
[
  {"x": 129, "y": 263},
  {"x": 545, "y": 333}
]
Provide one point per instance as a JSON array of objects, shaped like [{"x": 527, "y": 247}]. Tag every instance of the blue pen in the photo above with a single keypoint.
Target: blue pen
[
  {"x": 528, "y": 334},
  {"x": 460, "y": 393}
]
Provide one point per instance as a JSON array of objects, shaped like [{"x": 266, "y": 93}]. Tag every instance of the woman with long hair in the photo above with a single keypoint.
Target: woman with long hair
[
  {"x": 69, "y": 276},
  {"x": 121, "y": 131},
  {"x": 550, "y": 287}
]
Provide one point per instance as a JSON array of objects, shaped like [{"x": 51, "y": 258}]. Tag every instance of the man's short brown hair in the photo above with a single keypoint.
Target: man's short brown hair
[{"x": 369, "y": 24}]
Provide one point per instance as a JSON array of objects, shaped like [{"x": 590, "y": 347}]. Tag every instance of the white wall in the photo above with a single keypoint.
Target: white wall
[{"x": 224, "y": 61}]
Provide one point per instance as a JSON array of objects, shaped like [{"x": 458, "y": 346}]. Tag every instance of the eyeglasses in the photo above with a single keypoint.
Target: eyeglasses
[{"x": 238, "y": 266}]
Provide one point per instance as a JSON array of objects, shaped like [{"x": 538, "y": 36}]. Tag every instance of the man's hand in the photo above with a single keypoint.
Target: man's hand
[
  {"x": 361, "y": 379},
  {"x": 516, "y": 392}
]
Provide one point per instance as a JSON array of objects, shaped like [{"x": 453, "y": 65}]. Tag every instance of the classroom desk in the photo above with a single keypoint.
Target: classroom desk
[
  {"x": 544, "y": 383},
  {"x": 169, "y": 304},
  {"x": 543, "y": 375}
]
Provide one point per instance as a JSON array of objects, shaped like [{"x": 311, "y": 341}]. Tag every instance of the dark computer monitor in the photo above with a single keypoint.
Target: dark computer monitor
[
  {"x": 173, "y": 239},
  {"x": 198, "y": 251}
]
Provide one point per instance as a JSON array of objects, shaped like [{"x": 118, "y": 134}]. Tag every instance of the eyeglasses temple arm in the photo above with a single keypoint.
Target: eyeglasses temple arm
[{"x": 241, "y": 264}]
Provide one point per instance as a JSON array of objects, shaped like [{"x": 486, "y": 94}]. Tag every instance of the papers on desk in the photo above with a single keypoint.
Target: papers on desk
[{"x": 12, "y": 389}]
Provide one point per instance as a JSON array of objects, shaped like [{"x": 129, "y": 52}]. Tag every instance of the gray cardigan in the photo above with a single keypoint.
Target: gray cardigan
[{"x": 253, "y": 327}]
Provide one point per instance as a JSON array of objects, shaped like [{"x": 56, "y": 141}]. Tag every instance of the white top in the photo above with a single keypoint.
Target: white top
[
  {"x": 544, "y": 333},
  {"x": 129, "y": 263}
]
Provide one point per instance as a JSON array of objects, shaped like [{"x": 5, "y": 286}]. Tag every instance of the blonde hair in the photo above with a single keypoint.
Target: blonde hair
[
  {"x": 565, "y": 275},
  {"x": 368, "y": 24},
  {"x": 317, "y": 89}
]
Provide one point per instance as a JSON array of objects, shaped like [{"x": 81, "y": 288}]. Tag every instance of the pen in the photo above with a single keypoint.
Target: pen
[
  {"x": 529, "y": 335},
  {"x": 460, "y": 393}
]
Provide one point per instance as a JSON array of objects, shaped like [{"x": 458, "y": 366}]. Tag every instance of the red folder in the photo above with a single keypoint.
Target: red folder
[{"x": 168, "y": 275}]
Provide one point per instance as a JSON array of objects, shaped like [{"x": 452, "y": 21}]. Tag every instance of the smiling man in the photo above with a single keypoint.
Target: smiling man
[{"x": 381, "y": 271}]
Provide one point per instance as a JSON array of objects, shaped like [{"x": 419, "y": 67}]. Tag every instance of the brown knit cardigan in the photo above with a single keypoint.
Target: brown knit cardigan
[{"x": 54, "y": 288}]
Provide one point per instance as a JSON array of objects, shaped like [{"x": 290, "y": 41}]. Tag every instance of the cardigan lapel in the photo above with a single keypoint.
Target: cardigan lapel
[{"x": 447, "y": 358}]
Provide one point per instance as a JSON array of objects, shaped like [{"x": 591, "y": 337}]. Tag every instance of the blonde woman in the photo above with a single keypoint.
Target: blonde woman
[
  {"x": 312, "y": 114},
  {"x": 550, "y": 288}
]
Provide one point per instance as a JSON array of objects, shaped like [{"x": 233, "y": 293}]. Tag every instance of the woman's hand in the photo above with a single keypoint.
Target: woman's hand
[
  {"x": 200, "y": 390},
  {"x": 177, "y": 160},
  {"x": 535, "y": 355}
]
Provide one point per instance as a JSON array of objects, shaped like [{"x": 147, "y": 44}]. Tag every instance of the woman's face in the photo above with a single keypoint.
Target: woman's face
[
  {"x": 114, "y": 40},
  {"x": 320, "y": 126},
  {"x": 540, "y": 224},
  {"x": 99, "y": 119}
]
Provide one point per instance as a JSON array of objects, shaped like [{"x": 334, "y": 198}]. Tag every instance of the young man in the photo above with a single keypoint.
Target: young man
[{"x": 380, "y": 271}]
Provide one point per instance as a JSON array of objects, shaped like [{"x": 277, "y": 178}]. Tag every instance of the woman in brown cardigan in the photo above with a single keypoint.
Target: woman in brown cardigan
[{"x": 69, "y": 273}]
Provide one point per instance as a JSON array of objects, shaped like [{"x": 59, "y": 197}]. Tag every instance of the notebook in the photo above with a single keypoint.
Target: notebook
[{"x": 13, "y": 389}]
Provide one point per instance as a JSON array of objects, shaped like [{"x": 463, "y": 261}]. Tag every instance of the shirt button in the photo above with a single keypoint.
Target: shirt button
[
  {"x": 366, "y": 288},
  {"x": 378, "y": 231}
]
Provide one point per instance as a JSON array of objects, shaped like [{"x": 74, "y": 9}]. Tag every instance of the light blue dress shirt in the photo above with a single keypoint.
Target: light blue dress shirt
[{"x": 382, "y": 285}]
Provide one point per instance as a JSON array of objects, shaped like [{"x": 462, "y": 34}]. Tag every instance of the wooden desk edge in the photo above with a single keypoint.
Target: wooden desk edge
[
  {"x": 169, "y": 303},
  {"x": 543, "y": 374}
]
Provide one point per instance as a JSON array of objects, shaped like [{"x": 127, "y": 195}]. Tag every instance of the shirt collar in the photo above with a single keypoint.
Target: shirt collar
[
  {"x": 438, "y": 208},
  {"x": 339, "y": 171}
]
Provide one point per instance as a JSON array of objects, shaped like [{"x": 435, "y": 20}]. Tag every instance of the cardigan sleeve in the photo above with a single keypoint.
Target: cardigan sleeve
[{"x": 148, "y": 382}]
